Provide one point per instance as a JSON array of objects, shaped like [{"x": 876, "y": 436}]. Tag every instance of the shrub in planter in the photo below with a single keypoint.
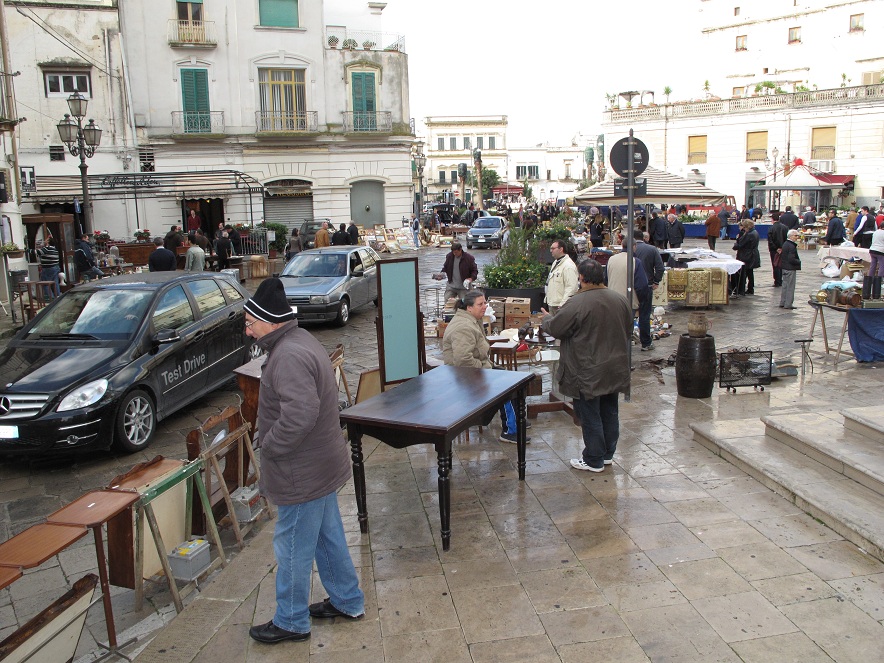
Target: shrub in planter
[
  {"x": 516, "y": 265},
  {"x": 281, "y": 235},
  {"x": 349, "y": 43}
]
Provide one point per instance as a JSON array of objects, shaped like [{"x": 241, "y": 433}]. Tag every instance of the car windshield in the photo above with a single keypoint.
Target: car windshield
[
  {"x": 317, "y": 264},
  {"x": 487, "y": 222},
  {"x": 94, "y": 314}
]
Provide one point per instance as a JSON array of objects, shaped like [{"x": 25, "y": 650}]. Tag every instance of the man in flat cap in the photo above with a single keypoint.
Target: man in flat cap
[{"x": 304, "y": 461}]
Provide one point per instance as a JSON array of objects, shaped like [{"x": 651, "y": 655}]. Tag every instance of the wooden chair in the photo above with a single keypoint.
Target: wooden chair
[
  {"x": 503, "y": 354},
  {"x": 336, "y": 357}
]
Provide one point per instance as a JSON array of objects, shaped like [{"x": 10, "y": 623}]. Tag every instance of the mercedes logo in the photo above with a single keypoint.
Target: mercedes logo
[{"x": 5, "y": 406}]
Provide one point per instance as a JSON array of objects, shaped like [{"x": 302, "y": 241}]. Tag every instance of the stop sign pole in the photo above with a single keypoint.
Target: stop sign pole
[{"x": 629, "y": 158}]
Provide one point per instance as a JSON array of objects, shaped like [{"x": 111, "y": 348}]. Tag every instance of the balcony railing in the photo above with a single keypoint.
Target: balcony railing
[
  {"x": 756, "y": 155},
  {"x": 192, "y": 33},
  {"x": 368, "y": 121},
  {"x": 765, "y": 102},
  {"x": 696, "y": 157},
  {"x": 823, "y": 152},
  {"x": 287, "y": 121},
  {"x": 341, "y": 37},
  {"x": 198, "y": 122}
]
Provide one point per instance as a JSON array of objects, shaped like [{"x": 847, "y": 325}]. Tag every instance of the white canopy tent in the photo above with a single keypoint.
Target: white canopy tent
[{"x": 662, "y": 187}]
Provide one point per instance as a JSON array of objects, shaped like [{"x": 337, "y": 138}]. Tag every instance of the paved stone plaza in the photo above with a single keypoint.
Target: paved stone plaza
[{"x": 670, "y": 554}]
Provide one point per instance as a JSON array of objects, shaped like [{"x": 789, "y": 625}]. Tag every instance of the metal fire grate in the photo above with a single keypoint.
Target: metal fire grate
[{"x": 744, "y": 368}]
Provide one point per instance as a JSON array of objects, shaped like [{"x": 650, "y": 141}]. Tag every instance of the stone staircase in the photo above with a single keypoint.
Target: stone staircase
[{"x": 830, "y": 465}]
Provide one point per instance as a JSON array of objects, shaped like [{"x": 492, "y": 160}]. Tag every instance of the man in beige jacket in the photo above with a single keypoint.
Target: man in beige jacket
[{"x": 562, "y": 280}]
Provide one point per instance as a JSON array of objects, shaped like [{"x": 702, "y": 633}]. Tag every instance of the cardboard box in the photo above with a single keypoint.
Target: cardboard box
[
  {"x": 499, "y": 306},
  {"x": 518, "y": 306},
  {"x": 516, "y": 321}
]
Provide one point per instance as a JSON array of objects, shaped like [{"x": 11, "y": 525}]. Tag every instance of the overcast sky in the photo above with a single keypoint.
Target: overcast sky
[{"x": 546, "y": 65}]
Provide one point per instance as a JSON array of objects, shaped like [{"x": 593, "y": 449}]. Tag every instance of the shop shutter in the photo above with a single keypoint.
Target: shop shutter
[{"x": 291, "y": 212}]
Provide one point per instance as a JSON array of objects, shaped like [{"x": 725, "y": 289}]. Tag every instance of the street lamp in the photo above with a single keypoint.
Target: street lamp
[
  {"x": 81, "y": 141},
  {"x": 771, "y": 162},
  {"x": 420, "y": 162}
]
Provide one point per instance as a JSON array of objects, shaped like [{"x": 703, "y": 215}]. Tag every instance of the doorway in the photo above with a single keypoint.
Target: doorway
[
  {"x": 209, "y": 210},
  {"x": 367, "y": 204}
]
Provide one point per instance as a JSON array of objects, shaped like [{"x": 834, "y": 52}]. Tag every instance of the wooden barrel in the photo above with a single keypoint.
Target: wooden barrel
[{"x": 695, "y": 366}]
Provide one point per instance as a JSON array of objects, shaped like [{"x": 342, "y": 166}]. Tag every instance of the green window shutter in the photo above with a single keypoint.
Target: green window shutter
[
  {"x": 363, "y": 92},
  {"x": 195, "y": 90},
  {"x": 278, "y": 13}
]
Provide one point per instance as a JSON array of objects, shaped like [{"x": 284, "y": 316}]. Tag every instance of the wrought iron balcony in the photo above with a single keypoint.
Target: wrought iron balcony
[
  {"x": 198, "y": 122},
  {"x": 199, "y": 34},
  {"x": 696, "y": 157},
  {"x": 756, "y": 155},
  {"x": 287, "y": 121},
  {"x": 368, "y": 121},
  {"x": 823, "y": 152}
]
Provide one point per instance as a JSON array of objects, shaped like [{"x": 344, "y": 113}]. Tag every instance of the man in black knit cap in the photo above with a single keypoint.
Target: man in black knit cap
[{"x": 304, "y": 461}]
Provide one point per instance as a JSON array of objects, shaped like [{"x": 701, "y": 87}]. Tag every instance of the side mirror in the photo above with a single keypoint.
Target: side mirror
[
  {"x": 359, "y": 270},
  {"x": 166, "y": 336}
]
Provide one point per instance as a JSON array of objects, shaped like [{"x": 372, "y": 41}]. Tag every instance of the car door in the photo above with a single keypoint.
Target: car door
[
  {"x": 357, "y": 286},
  {"x": 179, "y": 366},
  {"x": 369, "y": 262},
  {"x": 219, "y": 345}
]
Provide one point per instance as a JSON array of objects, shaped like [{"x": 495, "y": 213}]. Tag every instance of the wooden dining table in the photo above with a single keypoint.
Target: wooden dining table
[{"x": 434, "y": 408}]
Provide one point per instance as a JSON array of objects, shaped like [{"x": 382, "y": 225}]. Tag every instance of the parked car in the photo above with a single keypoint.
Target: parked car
[
  {"x": 111, "y": 358},
  {"x": 487, "y": 232},
  {"x": 307, "y": 231},
  {"x": 326, "y": 284}
]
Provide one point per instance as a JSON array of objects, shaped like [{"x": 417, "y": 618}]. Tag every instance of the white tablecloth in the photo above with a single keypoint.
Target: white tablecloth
[
  {"x": 845, "y": 252},
  {"x": 730, "y": 265}
]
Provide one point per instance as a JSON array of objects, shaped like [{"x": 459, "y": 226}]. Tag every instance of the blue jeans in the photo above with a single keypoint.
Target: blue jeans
[
  {"x": 600, "y": 420},
  {"x": 50, "y": 274},
  {"x": 508, "y": 418},
  {"x": 305, "y": 532},
  {"x": 645, "y": 308}
]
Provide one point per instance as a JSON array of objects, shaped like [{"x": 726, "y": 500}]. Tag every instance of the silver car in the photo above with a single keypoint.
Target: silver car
[
  {"x": 326, "y": 284},
  {"x": 487, "y": 231}
]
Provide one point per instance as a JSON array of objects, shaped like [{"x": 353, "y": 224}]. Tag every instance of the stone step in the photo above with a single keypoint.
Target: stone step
[
  {"x": 868, "y": 421},
  {"x": 825, "y": 438},
  {"x": 851, "y": 509}
]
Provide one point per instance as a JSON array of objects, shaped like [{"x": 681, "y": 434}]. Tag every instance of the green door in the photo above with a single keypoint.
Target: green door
[
  {"x": 364, "y": 105},
  {"x": 195, "y": 101}
]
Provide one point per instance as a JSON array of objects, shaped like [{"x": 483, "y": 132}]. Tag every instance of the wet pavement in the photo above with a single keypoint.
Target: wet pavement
[{"x": 671, "y": 554}]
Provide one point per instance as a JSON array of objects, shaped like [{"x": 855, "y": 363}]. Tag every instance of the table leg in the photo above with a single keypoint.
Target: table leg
[
  {"x": 444, "y": 456},
  {"x": 522, "y": 427},
  {"x": 105, "y": 589},
  {"x": 825, "y": 333},
  {"x": 841, "y": 339},
  {"x": 355, "y": 433}
]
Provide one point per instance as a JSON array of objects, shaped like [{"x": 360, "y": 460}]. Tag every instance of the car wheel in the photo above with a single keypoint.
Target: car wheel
[
  {"x": 136, "y": 421},
  {"x": 343, "y": 313}
]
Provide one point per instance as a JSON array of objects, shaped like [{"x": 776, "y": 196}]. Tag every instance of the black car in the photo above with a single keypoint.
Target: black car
[{"x": 109, "y": 359}]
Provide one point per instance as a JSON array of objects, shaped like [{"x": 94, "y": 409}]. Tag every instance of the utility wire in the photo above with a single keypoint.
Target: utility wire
[{"x": 40, "y": 23}]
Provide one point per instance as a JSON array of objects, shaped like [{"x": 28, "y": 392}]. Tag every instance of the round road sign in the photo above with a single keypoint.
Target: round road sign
[{"x": 620, "y": 157}]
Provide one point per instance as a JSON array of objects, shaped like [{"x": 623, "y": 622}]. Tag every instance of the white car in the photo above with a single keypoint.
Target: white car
[{"x": 487, "y": 231}]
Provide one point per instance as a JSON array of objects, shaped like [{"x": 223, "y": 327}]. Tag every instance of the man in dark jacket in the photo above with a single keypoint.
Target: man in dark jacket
[
  {"x": 353, "y": 233},
  {"x": 835, "y": 230},
  {"x": 460, "y": 269},
  {"x": 790, "y": 263},
  {"x": 173, "y": 239},
  {"x": 657, "y": 231},
  {"x": 340, "y": 236},
  {"x": 162, "y": 259},
  {"x": 747, "y": 252},
  {"x": 650, "y": 259},
  {"x": 84, "y": 259},
  {"x": 809, "y": 218},
  {"x": 776, "y": 235},
  {"x": 223, "y": 250},
  {"x": 594, "y": 326},
  {"x": 304, "y": 461},
  {"x": 674, "y": 231},
  {"x": 789, "y": 219},
  {"x": 235, "y": 239}
]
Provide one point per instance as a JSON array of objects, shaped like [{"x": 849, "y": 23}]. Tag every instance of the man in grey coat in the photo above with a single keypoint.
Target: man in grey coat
[
  {"x": 304, "y": 461},
  {"x": 594, "y": 326}
]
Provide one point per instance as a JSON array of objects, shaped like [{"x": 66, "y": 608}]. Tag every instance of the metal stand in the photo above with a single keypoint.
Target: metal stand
[{"x": 805, "y": 355}]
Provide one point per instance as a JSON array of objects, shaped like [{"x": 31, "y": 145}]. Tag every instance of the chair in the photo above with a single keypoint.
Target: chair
[
  {"x": 503, "y": 354},
  {"x": 336, "y": 357}
]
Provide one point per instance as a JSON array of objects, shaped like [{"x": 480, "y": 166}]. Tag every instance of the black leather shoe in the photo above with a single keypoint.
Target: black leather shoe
[
  {"x": 270, "y": 634},
  {"x": 325, "y": 610}
]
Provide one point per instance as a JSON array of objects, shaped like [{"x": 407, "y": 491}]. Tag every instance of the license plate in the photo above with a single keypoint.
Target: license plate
[
  {"x": 481, "y": 239},
  {"x": 9, "y": 432}
]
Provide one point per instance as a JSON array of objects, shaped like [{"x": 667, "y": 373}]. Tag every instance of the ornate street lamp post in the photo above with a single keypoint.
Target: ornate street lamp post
[
  {"x": 81, "y": 141},
  {"x": 771, "y": 162},
  {"x": 420, "y": 162}
]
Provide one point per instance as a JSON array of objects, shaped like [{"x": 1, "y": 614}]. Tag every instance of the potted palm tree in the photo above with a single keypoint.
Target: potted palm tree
[{"x": 516, "y": 271}]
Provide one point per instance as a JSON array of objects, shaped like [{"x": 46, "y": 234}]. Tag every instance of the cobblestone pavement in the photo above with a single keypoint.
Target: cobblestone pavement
[{"x": 558, "y": 556}]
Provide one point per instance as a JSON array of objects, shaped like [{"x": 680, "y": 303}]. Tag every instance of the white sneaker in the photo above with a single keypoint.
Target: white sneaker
[
  {"x": 608, "y": 462},
  {"x": 578, "y": 464}
]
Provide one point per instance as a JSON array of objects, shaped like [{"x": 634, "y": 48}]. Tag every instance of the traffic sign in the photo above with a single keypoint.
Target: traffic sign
[{"x": 620, "y": 157}]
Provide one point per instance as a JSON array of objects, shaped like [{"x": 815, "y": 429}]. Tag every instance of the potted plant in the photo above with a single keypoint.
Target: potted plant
[
  {"x": 280, "y": 240},
  {"x": 349, "y": 44},
  {"x": 516, "y": 271},
  {"x": 368, "y": 45},
  {"x": 546, "y": 235},
  {"x": 101, "y": 236},
  {"x": 332, "y": 41},
  {"x": 11, "y": 250},
  {"x": 142, "y": 235},
  {"x": 242, "y": 228}
]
